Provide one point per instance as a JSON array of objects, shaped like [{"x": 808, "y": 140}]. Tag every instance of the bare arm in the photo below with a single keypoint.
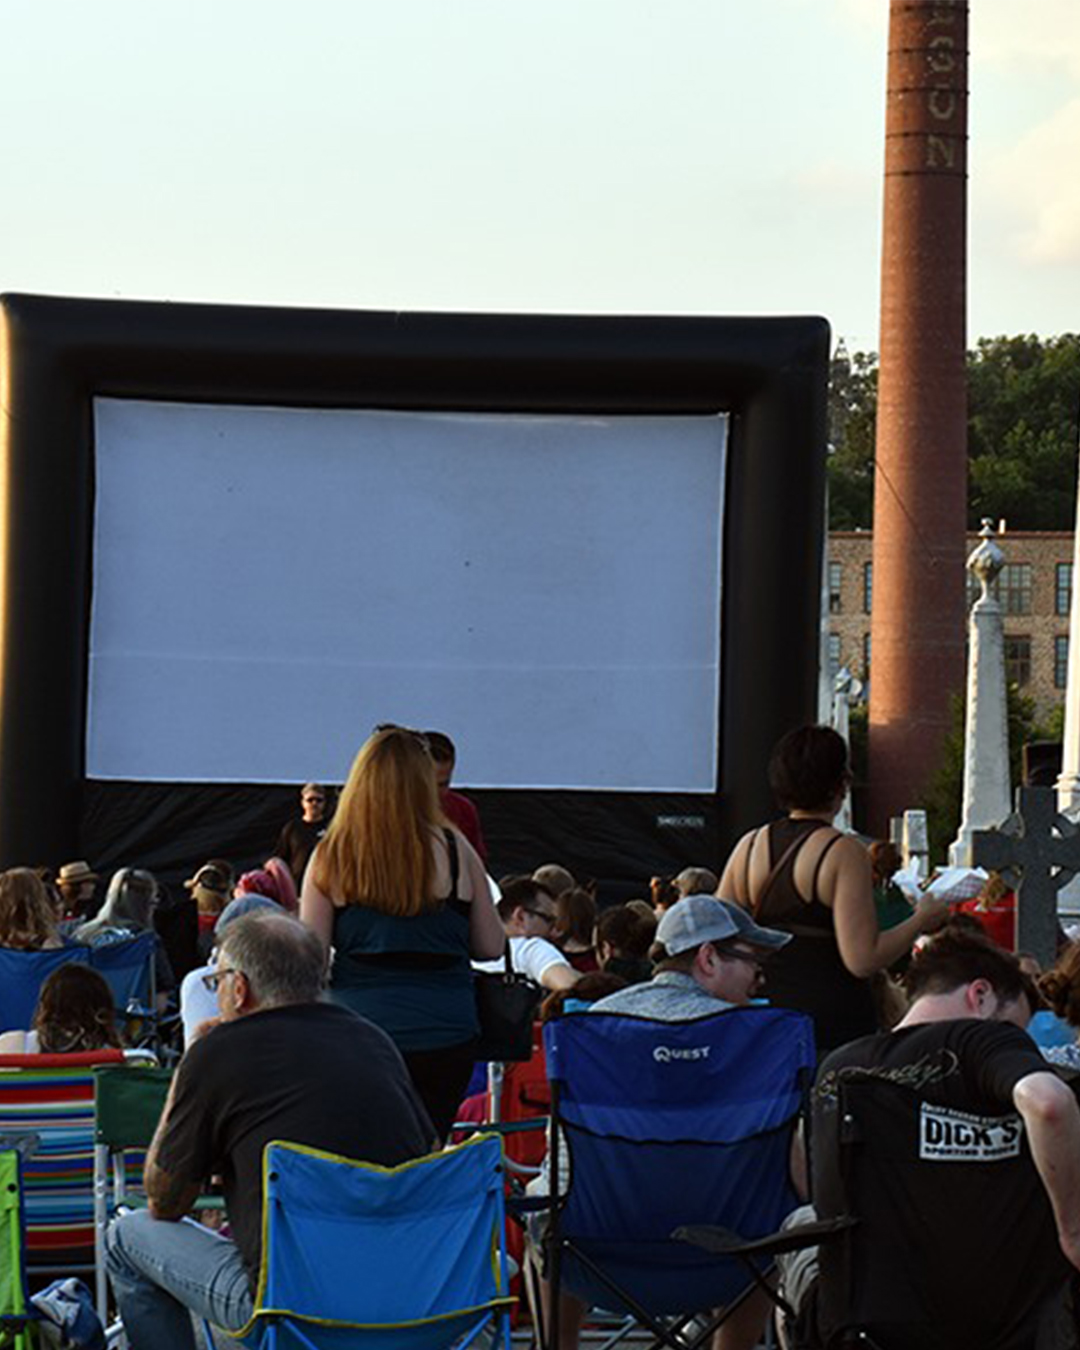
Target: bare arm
[
  {"x": 487, "y": 937},
  {"x": 559, "y": 976},
  {"x": 732, "y": 881},
  {"x": 316, "y": 910},
  {"x": 1052, "y": 1120},
  {"x": 847, "y": 887},
  {"x": 168, "y": 1197}
]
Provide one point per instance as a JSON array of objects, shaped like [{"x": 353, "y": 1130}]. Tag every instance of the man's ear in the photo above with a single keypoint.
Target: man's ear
[
  {"x": 706, "y": 959},
  {"x": 979, "y": 998}
]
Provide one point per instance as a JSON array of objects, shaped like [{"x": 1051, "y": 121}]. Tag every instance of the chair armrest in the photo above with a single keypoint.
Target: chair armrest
[{"x": 723, "y": 1242}]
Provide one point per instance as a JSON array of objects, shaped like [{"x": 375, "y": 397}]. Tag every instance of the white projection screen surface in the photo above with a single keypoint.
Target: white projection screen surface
[{"x": 269, "y": 583}]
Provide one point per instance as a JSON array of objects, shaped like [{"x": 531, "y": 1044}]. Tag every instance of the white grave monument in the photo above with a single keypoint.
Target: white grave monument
[
  {"x": 915, "y": 844},
  {"x": 846, "y": 688},
  {"x": 1068, "y": 784},
  {"x": 987, "y": 788}
]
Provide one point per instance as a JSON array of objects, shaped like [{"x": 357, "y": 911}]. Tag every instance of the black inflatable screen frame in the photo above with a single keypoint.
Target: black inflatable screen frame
[{"x": 58, "y": 354}]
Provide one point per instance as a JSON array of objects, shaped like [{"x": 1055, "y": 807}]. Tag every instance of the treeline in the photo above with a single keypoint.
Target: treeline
[{"x": 1023, "y": 414}]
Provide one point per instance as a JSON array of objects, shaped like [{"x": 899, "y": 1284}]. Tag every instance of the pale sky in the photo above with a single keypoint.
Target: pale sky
[{"x": 580, "y": 156}]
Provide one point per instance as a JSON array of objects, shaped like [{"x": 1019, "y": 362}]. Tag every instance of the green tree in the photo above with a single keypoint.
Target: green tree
[
  {"x": 852, "y": 413},
  {"x": 1023, "y": 404}
]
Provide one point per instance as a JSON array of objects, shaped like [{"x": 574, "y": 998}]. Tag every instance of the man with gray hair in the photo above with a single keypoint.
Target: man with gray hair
[{"x": 276, "y": 1064}]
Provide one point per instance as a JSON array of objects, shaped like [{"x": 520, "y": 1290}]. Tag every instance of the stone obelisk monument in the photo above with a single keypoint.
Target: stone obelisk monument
[
  {"x": 987, "y": 789},
  {"x": 917, "y": 632}
]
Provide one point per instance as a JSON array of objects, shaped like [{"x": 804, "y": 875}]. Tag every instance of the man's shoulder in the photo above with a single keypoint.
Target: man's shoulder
[
  {"x": 295, "y": 1021},
  {"x": 669, "y": 995},
  {"x": 927, "y": 1056},
  {"x": 533, "y": 955}
]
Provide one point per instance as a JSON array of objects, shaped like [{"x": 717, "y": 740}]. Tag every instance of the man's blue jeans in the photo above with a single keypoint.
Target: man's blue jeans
[{"x": 162, "y": 1272}]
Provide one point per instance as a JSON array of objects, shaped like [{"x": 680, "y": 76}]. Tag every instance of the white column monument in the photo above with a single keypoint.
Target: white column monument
[
  {"x": 987, "y": 788},
  {"x": 1068, "y": 784},
  {"x": 845, "y": 688},
  {"x": 825, "y": 684}
]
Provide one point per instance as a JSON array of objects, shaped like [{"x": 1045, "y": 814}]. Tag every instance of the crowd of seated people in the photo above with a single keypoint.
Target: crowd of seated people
[{"x": 796, "y": 877}]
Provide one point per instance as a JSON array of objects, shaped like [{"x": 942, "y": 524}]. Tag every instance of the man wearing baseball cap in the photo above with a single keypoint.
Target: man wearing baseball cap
[
  {"x": 714, "y": 956},
  {"x": 714, "y": 959}
]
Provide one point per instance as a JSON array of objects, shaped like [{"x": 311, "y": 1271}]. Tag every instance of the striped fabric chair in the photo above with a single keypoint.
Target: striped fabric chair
[{"x": 52, "y": 1096}]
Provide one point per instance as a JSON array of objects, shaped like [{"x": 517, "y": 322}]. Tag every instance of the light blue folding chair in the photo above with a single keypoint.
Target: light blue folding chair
[{"x": 404, "y": 1258}]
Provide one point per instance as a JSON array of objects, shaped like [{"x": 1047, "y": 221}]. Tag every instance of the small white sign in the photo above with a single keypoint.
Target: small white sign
[{"x": 955, "y": 1136}]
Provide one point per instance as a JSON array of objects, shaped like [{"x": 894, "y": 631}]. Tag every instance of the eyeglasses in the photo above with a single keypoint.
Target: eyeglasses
[
  {"x": 549, "y": 919},
  {"x": 212, "y": 979},
  {"x": 747, "y": 958}
]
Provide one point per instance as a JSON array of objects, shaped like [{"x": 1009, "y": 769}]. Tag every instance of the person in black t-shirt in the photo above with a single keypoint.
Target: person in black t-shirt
[
  {"x": 298, "y": 838},
  {"x": 960, "y": 1151},
  {"x": 276, "y": 1064}
]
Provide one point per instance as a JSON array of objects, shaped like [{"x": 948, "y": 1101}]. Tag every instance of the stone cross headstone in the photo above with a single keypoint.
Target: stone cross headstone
[{"x": 1037, "y": 850}]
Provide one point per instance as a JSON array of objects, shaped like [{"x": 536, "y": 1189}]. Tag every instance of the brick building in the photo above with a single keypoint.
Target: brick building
[{"x": 1034, "y": 588}]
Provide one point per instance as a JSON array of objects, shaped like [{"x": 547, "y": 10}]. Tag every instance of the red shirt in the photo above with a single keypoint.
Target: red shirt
[{"x": 460, "y": 811}]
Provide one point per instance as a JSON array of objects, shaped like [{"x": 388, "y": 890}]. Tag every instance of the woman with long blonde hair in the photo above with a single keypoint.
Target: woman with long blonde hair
[{"x": 402, "y": 898}]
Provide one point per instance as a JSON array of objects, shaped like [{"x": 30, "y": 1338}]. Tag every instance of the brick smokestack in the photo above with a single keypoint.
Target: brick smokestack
[{"x": 917, "y": 632}]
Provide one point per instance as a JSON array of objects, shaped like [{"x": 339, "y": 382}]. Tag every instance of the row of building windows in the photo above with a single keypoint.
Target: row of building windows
[
  {"x": 1012, "y": 588},
  {"x": 1017, "y": 658}
]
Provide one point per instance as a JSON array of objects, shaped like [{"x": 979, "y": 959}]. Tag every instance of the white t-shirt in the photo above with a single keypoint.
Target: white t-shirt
[
  {"x": 529, "y": 956},
  {"x": 197, "y": 1003}
]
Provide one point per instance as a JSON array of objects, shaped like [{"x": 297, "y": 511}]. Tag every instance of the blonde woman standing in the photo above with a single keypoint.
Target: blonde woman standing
[{"x": 402, "y": 899}]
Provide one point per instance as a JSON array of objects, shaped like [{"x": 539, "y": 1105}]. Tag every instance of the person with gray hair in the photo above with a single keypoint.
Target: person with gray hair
[
  {"x": 696, "y": 881},
  {"x": 279, "y": 1062},
  {"x": 128, "y": 911}
]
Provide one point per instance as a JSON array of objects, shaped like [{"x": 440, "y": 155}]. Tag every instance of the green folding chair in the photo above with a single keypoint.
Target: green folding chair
[
  {"x": 127, "y": 1107},
  {"x": 16, "y": 1314}
]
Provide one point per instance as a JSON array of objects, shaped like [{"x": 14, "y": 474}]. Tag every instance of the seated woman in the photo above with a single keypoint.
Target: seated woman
[
  {"x": 127, "y": 912},
  {"x": 74, "y": 1013},
  {"x": 575, "y": 925},
  {"x": 28, "y": 918},
  {"x": 624, "y": 936}
]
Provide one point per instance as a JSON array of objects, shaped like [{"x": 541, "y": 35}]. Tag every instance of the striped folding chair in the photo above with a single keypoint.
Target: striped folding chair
[{"x": 52, "y": 1096}]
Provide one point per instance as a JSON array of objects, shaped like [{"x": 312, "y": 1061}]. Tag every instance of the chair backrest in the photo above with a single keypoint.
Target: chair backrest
[
  {"x": 425, "y": 1235},
  {"x": 937, "y": 1256},
  {"x": 21, "y": 976},
  {"x": 53, "y": 1097},
  {"x": 670, "y": 1124},
  {"x": 127, "y": 1108},
  {"x": 128, "y": 968}
]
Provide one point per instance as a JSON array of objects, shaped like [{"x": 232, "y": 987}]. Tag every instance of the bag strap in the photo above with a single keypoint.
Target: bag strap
[
  {"x": 452, "y": 858},
  {"x": 789, "y": 854}
]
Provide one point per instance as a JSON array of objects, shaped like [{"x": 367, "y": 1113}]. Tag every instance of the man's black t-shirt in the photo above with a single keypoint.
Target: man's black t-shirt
[
  {"x": 958, "y": 1244},
  {"x": 296, "y": 843},
  {"x": 311, "y": 1073}
]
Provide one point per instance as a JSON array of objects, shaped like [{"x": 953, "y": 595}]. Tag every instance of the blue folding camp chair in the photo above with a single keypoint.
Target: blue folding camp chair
[
  {"x": 403, "y": 1258},
  {"x": 21, "y": 976},
  {"x": 670, "y": 1124},
  {"x": 128, "y": 969}
]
